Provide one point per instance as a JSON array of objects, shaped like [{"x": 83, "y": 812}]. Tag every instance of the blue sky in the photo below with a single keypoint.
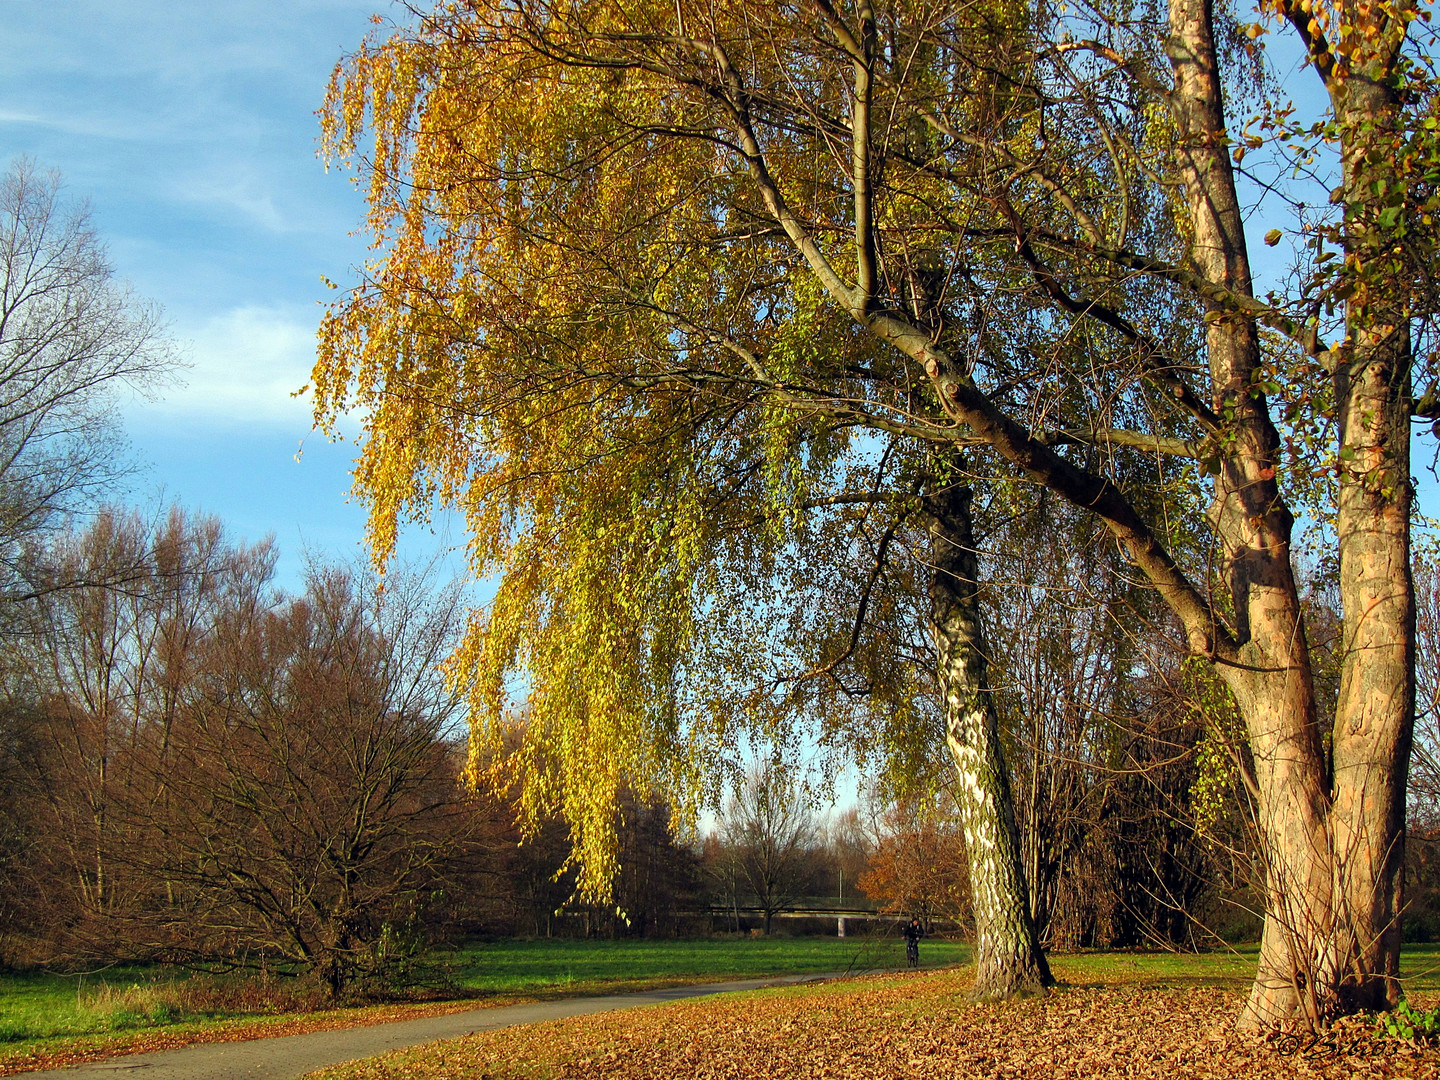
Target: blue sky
[{"x": 190, "y": 129}]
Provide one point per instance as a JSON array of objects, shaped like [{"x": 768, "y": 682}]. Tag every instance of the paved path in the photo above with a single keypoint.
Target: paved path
[{"x": 294, "y": 1055}]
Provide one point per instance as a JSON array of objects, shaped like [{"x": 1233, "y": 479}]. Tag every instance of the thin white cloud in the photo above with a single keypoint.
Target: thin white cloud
[
  {"x": 10, "y": 116},
  {"x": 239, "y": 195},
  {"x": 247, "y": 364},
  {"x": 117, "y": 124}
]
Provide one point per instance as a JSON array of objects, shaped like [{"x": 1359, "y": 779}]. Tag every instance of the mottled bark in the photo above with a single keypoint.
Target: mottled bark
[
  {"x": 1330, "y": 838},
  {"x": 1374, "y": 716},
  {"x": 1008, "y": 957}
]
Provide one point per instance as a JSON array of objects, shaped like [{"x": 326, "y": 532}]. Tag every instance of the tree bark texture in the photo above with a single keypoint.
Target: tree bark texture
[
  {"x": 1374, "y": 718},
  {"x": 1008, "y": 959},
  {"x": 1330, "y": 834}
]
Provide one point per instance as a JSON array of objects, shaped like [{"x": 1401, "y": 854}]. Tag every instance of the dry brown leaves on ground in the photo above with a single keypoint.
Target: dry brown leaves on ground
[{"x": 909, "y": 1026}]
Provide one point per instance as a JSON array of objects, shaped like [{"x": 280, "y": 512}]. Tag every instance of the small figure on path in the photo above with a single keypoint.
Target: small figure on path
[{"x": 913, "y": 932}]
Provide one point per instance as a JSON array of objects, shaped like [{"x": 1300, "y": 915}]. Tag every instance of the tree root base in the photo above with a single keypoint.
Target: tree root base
[{"x": 1020, "y": 990}]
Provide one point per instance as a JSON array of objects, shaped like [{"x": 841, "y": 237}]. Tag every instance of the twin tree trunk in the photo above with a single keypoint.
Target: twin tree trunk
[
  {"x": 1008, "y": 959},
  {"x": 1330, "y": 824}
]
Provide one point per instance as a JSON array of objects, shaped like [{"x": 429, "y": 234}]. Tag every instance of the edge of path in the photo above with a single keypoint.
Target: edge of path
[{"x": 362, "y": 1036}]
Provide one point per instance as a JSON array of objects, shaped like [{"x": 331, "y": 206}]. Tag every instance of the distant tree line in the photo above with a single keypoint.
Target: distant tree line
[
  {"x": 198, "y": 767},
  {"x": 201, "y": 768}
]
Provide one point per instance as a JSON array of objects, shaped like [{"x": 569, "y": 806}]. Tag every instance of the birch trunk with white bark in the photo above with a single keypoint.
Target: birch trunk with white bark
[{"x": 1008, "y": 959}]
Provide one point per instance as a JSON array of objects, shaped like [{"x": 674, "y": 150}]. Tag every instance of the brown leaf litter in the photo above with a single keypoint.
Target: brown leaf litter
[{"x": 909, "y": 1026}]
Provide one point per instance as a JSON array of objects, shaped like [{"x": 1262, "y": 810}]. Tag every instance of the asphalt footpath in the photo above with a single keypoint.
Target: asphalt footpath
[{"x": 290, "y": 1056}]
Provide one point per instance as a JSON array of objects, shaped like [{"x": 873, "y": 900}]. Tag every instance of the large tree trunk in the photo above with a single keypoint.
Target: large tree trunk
[
  {"x": 1374, "y": 717},
  {"x": 1008, "y": 959},
  {"x": 1329, "y": 832}
]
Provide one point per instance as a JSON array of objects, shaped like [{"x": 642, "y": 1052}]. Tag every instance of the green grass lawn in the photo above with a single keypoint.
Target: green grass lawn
[
  {"x": 583, "y": 966},
  {"x": 1420, "y": 967},
  {"x": 39, "y": 1006}
]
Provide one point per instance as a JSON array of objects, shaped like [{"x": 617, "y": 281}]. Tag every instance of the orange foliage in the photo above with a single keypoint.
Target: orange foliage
[{"x": 919, "y": 868}]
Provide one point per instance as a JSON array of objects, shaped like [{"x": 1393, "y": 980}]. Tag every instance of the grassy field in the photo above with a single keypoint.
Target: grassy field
[
  {"x": 40, "y": 1006},
  {"x": 528, "y": 967}
]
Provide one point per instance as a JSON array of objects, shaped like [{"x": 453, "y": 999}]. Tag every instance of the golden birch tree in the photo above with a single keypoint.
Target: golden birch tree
[{"x": 699, "y": 311}]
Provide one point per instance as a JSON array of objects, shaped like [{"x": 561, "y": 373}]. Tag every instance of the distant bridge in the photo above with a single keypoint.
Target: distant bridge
[
  {"x": 733, "y": 913},
  {"x": 806, "y": 912}
]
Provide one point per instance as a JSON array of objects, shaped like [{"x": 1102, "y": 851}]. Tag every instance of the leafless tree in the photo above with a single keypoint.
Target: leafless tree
[
  {"x": 209, "y": 769},
  {"x": 770, "y": 829},
  {"x": 94, "y": 673},
  {"x": 71, "y": 338},
  {"x": 1424, "y": 809},
  {"x": 313, "y": 804}
]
